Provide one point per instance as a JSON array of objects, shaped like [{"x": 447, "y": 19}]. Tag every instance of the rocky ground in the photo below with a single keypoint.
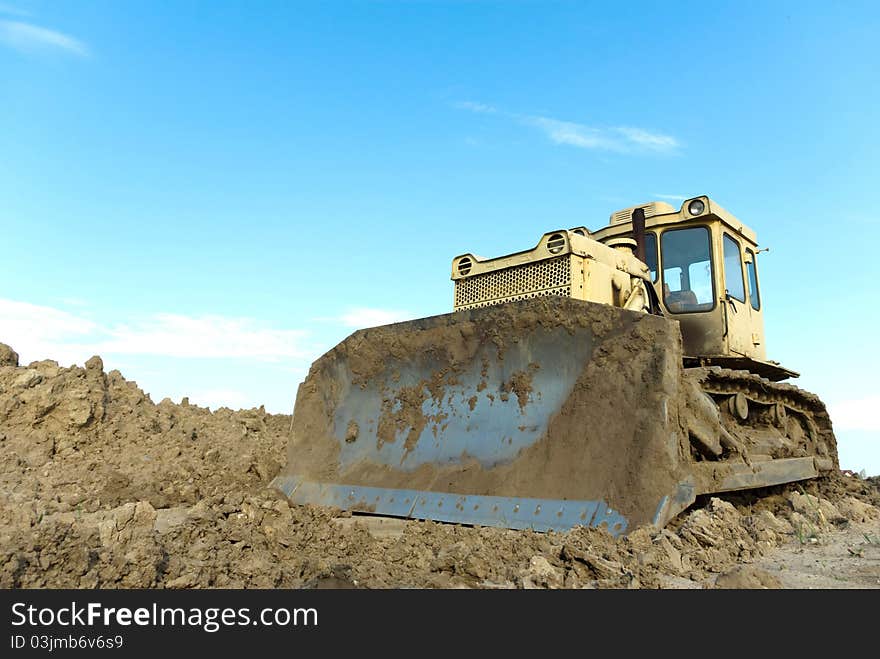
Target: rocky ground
[{"x": 100, "y": 487}]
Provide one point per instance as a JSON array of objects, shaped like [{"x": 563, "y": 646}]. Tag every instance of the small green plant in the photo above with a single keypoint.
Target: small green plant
[{"x": 806, "y": 533}]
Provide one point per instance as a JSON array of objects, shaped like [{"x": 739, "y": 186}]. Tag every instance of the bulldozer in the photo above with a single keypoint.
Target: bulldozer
[{"x": 603, "y": 379}]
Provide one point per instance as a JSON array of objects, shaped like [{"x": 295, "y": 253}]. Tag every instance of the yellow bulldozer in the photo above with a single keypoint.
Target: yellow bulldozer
[{"x": 601, "y": 378}]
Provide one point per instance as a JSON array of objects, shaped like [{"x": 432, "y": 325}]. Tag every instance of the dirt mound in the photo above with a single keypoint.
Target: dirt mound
[
  {"x": 101, "y": 487},
  {"x": 79, "y": 439}
]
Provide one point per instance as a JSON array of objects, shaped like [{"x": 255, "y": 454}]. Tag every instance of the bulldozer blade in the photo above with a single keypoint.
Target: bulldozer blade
[{"x": 544, "y": 414}]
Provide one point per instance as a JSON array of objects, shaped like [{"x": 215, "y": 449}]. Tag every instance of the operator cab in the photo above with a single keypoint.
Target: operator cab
[{"x": 703, "y": 264}]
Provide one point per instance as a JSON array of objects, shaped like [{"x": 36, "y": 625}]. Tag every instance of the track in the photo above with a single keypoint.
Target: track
[{"x": 771, "y": 420}]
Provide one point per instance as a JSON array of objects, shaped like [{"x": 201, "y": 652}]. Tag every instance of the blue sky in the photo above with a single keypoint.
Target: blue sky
[{"x": 213, "y": 194}]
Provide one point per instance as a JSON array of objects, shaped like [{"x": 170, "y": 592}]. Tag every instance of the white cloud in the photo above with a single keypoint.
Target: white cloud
[
  {"x": 622, "y": 139},
  {"x": 174, "y": 335},
  {"x": 856, "y": 414},
  {"x": 366, "y": 317},
  {"x": 567, "y": 132},
  {"x": 648, "y": 140},
  {"x": 39, "y": 332},
  {"x": 27, "y": 38},
  {"x": 243, "y": 362},
  {"x": 481, "y": 108}
]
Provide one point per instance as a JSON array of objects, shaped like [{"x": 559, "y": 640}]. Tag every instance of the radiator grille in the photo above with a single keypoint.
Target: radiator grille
[{"x": 538, "y": 279}]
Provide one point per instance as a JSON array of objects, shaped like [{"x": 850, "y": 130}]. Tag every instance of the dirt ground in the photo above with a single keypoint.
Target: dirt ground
[{"x": 100, "y": 487}]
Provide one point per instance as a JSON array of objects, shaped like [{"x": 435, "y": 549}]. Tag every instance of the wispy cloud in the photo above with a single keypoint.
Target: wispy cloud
[
  {"x": 482, "y": 108},
  {"x": 29, "y": 38},
  {"x": 567, "y": 132},
  {"x": 366, "y": 317},
  {"x": 652, "y": 141},
  {"x": 622, "y": 139}
]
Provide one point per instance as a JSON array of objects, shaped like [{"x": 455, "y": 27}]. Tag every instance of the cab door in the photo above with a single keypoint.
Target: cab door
[
  {"x": 689, "y": 287},
  {"x": 759, "y": 350},
  {"x": 736, "y": 311}
]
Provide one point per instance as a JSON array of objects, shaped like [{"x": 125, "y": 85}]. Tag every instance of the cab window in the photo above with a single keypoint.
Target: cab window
[
  {"x": 651, "y": 254},
  {"x": 733, "y": 271},
  {"x": 751, "y": 265},
  {"x": 687, "y": 270}
]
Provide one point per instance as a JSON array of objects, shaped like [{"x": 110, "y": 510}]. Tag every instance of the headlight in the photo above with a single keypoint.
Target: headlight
[
  {"x": 696, "y": 207},
  {"x": 556, "y": 243}
]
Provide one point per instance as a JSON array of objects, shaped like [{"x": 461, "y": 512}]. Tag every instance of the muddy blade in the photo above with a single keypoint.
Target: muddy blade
[{"x": 542, "y": 414}]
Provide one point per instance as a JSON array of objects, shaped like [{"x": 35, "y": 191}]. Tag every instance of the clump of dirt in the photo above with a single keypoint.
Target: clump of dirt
[
  {"x": 521, "y": 385},
  {"x": 747, "y": 576},
  {"x": 409, "y": 416},
  {"x": 103, "y": 488}
]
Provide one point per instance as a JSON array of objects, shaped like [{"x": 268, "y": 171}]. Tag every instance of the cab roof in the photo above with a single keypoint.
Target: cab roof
[{"x": 661, "y": 214}]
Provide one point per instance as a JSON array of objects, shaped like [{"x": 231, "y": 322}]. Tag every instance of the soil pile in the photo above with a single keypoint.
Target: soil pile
[{"x": 102, "y": 487}]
